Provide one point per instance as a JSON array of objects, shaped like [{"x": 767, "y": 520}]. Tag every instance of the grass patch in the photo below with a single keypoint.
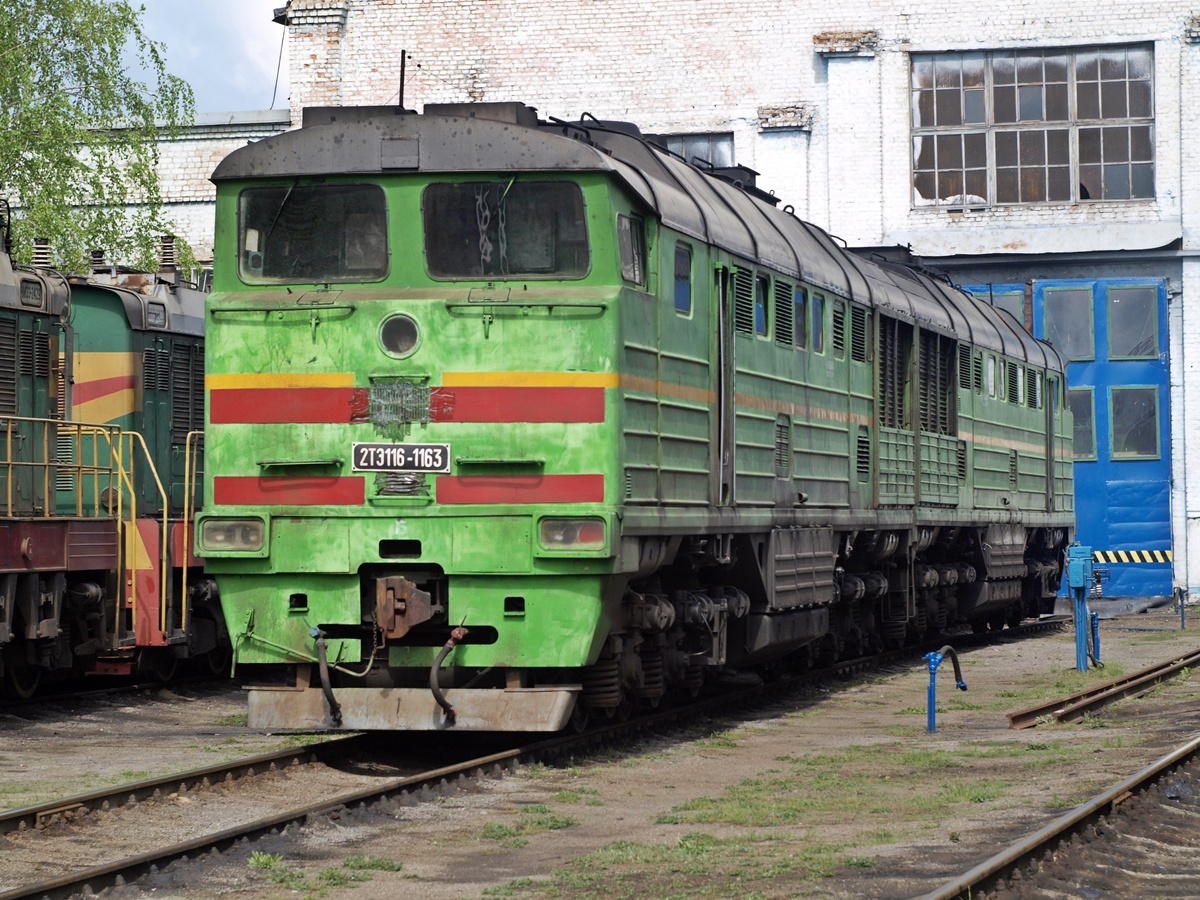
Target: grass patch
[
  {"x": 697, "y": 865},
  {"x": 585, "y": 795},
  {"x": 534, "y": 819},
  {"x": 372, "y": 863}
]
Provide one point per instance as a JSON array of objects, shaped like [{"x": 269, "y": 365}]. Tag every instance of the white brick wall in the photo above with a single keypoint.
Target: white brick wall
[{"x": 186, "y": 163}]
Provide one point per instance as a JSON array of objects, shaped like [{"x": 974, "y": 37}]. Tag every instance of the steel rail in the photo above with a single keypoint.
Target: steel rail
[
  {"x": 991, "y": 871},
  {"x": 131, "y": 868},
  {"x": 1077, "y": 705},
  {"x": 42, "y": 814}
]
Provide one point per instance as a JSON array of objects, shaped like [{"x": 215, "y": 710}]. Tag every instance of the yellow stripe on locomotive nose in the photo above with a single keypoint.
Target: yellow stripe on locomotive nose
[{"x": 235, "y": 380}]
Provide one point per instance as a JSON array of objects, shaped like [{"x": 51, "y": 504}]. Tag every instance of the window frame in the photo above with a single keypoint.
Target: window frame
[
  {"x": 818, "y": 323},
  {"x": 1052, "y": 141},
  {"x": 1091, "y": 315},
  {"x": 1113, "y": 456},
  {"x": 1153, "y": 318},
  {"x": 686, "y": 249},
  {"x": 1090, "y": 391}
]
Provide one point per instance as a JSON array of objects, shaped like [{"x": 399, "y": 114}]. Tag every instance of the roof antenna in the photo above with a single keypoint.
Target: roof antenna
[{"x": 403, "y": 60}]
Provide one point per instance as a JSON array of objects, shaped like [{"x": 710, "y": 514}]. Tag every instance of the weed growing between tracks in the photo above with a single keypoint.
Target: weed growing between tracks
[{"x": 354, "y": 870}]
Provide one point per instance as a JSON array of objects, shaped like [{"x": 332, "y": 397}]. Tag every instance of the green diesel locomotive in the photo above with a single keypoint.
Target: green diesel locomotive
[{"x": 512, "y": 422}]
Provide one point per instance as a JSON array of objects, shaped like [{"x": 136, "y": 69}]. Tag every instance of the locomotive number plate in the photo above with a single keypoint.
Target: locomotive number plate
[{"x": 401, "y": 457}]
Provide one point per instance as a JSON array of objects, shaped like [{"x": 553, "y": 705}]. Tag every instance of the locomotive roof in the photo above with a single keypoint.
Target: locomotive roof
[
  {"x": 150, "y": 303},
  {"x": 508, "y": 137}
]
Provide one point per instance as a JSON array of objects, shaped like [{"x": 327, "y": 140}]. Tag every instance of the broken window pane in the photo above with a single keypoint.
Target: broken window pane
[{"x": 1134, "y": 422}]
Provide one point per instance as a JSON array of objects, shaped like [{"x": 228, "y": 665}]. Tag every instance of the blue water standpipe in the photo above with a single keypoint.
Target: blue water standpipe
[
  {"x": 1080, "y": 579},
  {"x": 935, "y": 660}
]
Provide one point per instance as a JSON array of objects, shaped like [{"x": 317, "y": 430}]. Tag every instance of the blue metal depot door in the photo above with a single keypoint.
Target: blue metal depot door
[{"x": 1114, "y": 335}]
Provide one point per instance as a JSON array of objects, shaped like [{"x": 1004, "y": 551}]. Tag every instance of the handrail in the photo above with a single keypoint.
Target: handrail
[
  {"x": 126, "y": 479},
  {"x": 44, "y": 459},
  {"x": 191, "y": 468}
]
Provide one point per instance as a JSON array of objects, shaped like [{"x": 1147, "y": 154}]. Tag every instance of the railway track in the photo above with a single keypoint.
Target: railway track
[
  {"x": 302, "y": 783},
  {"x": 1136, "y": 839},
  {"x": 1083, "y": 703}
]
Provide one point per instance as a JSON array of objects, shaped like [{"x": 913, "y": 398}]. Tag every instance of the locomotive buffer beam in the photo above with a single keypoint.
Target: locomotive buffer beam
[{"x": 400, "y": 606}]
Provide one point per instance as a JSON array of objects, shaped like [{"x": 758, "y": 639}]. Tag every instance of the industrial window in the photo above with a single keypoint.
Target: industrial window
[
  {"x": 714, "y": 149},
  {"x": 818, "y": 323},
  {"x": 683, "y": 279},
  {"x": 1033, "y": 126},
  {"x": 1068, "y": 322},
  {"x": 1134, "y": 422},
  {"x": 632, "y": 244},
  {"x": 1133, "y": 322},
  {"x": 1082, "y": 403},
  {"x": 762, "y": 290},
  {"x": 800, "y": 317}
]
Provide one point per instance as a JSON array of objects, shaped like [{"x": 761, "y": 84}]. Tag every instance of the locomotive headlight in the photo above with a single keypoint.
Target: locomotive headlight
[
  {"x": 572, "y": 534},
  {"x": 232, "y": 535}
]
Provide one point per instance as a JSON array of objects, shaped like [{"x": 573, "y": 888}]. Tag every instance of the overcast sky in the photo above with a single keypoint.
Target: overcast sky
[{"x": 227, "y": 50}]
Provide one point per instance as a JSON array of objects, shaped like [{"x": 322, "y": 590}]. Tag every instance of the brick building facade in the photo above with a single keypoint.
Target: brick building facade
[{"x": 1039, "y": 152}]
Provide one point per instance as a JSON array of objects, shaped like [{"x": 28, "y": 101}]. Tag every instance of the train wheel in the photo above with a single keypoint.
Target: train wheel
[
  {"x": 580, "y": 717},
  {"x": 22, "y": 682},
  {"x": 158, "y": 665},
  {"x": 216, "y": 660}
]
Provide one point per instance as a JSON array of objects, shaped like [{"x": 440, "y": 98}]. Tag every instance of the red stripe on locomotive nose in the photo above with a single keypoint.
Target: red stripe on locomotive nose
[
  {"x": 231, "y": 490},
  {"x": 277, "y": 406},
  {"x": 281, "y": 406},
  {"x": 520, "y": 489},
  {"x": 516, "y": 404}
]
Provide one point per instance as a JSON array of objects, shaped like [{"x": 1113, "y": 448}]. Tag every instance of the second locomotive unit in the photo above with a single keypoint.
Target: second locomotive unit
[{"x": 511, "y": 422}]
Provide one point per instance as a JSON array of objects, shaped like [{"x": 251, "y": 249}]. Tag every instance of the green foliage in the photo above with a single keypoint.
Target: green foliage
[
  {"x": 79, "y": 129},
  {"x": 260, "y": 860}
]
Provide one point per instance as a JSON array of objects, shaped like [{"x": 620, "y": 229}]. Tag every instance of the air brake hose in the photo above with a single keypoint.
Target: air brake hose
[
  {"x": 335, "y": 708},
  {"x": 455, "y": 636}
]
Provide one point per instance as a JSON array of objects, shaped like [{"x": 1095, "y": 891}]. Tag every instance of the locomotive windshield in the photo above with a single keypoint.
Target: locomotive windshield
[
  {"x": 505, "y": 229},
  {"x": 312, "y": 232}
]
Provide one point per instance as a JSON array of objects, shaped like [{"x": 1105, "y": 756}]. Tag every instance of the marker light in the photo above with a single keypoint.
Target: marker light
[
  {"x": 572, "y": 534},
  {"x": 233, "y": 535}
]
